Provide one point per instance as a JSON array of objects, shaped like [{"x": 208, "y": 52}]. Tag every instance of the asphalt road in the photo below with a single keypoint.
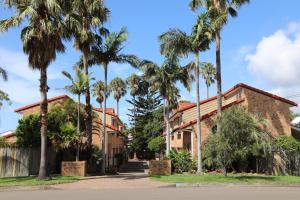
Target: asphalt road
[{"x": 206, "y": 193}]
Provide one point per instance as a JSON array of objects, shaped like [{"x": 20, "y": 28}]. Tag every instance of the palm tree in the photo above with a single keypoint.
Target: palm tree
[
  {"x": 118, "y": 87},
  {"x": 176, "y": 41},
  {"x": 42, "y": 40},
  {"x": 219, "y": 10},
  {"x": 98, "y": 92},
  {"x": 106, "y": 50},
  {"x": 208, "y": 72},
  {"x": 78, "y": 87},
  {"x": 164, "y": 79},
  {"x": 83, "y": 17},
  {"x": 3, "y": 95},
  {"x": 133, "y": 82}
]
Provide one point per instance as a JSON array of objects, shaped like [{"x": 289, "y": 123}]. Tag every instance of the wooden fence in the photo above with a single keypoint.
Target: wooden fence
[{"x": 22, "y": 161}]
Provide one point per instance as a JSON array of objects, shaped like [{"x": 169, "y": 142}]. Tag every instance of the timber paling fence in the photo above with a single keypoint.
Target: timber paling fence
[
  {"x": 20, "y": 161},
  {"x": 281, "y": 163}
]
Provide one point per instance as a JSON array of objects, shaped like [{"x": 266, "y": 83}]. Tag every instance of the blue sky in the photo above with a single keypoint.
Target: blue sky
[{"x": 261, "y": 48}]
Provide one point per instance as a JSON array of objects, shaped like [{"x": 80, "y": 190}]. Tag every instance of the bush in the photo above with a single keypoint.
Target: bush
[
  {"x": 181, "y": 161},
  {"x": 240, "y": 137},
  {"x": 286, "y": 143},
  {"x": 156, "y": 144}
]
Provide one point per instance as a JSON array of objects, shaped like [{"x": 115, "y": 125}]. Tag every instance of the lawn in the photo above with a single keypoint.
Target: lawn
[
  {"x": 32, "y": 181},
  {"x": 231, "y": 178}
]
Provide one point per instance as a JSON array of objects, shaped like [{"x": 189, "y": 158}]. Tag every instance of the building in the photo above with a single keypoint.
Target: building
[
  {"x": 9, "y": 136},
  {"x": 114, "y": 125},
  {"x": 274, "y": 109}
]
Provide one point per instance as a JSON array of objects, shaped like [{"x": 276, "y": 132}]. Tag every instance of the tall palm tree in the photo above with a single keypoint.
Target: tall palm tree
[
  {"x": 42, "y": 40},
  {"x": 108, "y": 49},
  {"x": 83, "y": 17},
  {"x": 176, "y": 41},
  {"x": 3, "y": 95},
  {"x": 219, "y": 10},
  {"x": 118, "y": 87},
  {"x": 208, "y": 72},
  {"x": 164, "y": 79},
  {"x": 98, "y": 92},
  {"x": 133, "y": 82},
  {"x": 78, "y": 87}
]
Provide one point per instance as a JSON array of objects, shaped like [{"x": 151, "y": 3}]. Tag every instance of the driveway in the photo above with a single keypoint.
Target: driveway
[{"x": 133, "y": 175}]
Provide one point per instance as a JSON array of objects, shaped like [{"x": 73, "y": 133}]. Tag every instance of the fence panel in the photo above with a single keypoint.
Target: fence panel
[{"x": 14, "y": 162}]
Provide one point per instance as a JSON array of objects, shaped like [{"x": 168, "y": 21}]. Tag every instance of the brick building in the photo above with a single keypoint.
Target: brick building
[
  {"x": 274, "y": 109},
  {"x": 114, "y": 125}
]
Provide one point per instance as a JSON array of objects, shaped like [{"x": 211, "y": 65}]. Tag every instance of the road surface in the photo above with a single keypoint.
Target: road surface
[{"x": 206, "y": 193}]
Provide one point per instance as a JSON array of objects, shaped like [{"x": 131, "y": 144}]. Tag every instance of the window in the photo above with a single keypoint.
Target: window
[
  {"x": 172, "y": 137},
  {"x": 179, "y": 136}
]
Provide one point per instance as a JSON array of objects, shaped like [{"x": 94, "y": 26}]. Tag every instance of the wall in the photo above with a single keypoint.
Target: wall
[{"x": 275, "y": 112}]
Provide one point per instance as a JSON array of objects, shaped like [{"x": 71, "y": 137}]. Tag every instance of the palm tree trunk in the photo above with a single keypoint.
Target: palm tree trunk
[
  {"x": 118, "y": 107},
  {"x": 199, "y": 157},
  {"x": 218, "y": 76},
  {"x": 207, "y": 91},
  {"x": 78, "y": 128},
  {"x": 167, "y": 117},
  {"x": 134, "y": 115},
  {"x": 44, "y": 122},
  {"x": 104, "y": 134},
  {"x": 88, "y": 107}
]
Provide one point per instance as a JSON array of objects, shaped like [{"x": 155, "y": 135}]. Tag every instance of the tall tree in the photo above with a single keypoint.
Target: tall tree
[
  {"x": 164, "y": 79},
  {"x": 3, "y": 95},
  {"x": 78, "y": 87},
  {"x": 133, "y": 82},
  {"x": 83, "y": 17},
  {"x": 109, "y": 49},
  {"x": 118, "y": 88},
  {"x": 176, "y": 41},
  {"x": 42, "y": 36},
  {"x": 219, "y": 10},
  {"x": 98, "y": 92},
  {"x": 208, "y": 72}
]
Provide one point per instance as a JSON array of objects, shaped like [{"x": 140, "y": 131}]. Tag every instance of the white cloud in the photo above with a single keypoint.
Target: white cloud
[
  {"x": 276, "y": 59},
  {"x": 23, "y": 82},
  {"x": 276, "y": 62}
]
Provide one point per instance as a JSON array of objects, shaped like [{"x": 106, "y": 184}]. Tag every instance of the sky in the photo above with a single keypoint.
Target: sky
[{"x": 261, "y": 47}]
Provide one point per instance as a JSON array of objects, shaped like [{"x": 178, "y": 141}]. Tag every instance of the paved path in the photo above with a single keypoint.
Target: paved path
[
  {"x": 133, "y": 175},
  {"x": 202, "y": 193}
]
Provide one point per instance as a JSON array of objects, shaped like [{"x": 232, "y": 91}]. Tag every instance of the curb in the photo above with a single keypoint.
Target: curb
[{"x": 190, "y": 185}]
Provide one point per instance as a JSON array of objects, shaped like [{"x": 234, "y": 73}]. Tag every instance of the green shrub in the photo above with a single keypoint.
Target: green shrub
[
  {"x": 286, "y": 143},
  {"x": 181, "y": 161},
  {"x": 156, "y": 144},
  {"x": 240, "y": 138}
]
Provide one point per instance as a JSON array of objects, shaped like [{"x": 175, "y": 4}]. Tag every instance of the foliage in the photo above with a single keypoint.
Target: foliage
[
  {"x": 28, "y": 131},
  {"x": 286, "y": 143},
  {"x": 98, "y": 92},
  {"x": 148, "y": 113},
  {"x": 240, "y": 137},
  {"x": 181, "y": 161},
  {"x": 62, "y": 121},
  {"x": 79, "y": 81},
  {"x": 3, "y": 95},
  {"x": 156, "y": 144},
  {"x": 3, "y": 143}
]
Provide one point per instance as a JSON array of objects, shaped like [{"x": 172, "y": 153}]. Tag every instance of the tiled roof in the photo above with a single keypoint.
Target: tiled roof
[
  {"x": 240, "y": 85},
  {"x": 190, "y": 123},
  {"x": 38, "y": 103}
]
